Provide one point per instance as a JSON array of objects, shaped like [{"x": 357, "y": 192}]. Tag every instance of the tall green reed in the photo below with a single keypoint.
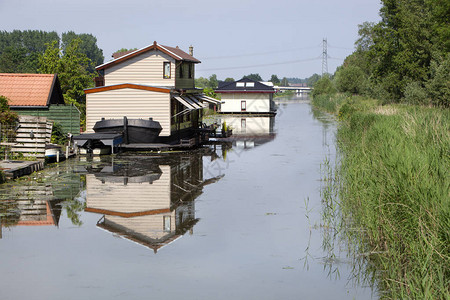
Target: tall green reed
[{"x": 393, "y": 190}]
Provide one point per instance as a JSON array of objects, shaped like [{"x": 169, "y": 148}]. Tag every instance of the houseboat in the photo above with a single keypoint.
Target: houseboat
[
  {"x": 153, "y": 82},
  {"x": 246, "y": 96}
]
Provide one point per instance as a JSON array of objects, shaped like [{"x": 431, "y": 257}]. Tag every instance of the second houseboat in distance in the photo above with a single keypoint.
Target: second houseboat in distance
[
  {"x": 247, "y": 97},
  {"x": 153, "y": 82}
]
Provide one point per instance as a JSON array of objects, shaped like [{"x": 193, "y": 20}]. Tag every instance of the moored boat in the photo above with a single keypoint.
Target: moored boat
[
  {"x": 53, "y": 152},
  {"x": 135, "y": 131}
]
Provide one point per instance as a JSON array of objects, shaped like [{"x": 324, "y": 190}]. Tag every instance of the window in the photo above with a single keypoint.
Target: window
[
  {"x": 240, "y": 84},
  {"x": 250, "y": 84},
  {"x": 166, "y": 224},
  {"x": 191, "y": 70},
  {"x": 180, "y": 68},
  {"x": 166, "y": 70},
  {"x": 243, "y": 105}
]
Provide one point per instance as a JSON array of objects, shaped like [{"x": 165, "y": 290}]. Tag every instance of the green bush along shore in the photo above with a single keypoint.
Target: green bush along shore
[{"x": 393, "y": 186}]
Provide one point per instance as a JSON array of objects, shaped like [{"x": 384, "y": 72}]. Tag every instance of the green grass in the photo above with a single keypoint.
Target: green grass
[{"x": 393, "y": 187}]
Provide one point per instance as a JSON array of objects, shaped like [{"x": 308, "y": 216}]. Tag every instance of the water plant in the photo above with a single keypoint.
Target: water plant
[{"x": 394, "y": 197}]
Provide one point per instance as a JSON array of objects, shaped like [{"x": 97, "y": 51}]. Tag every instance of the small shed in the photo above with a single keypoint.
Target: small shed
[{"x": 39, "y": 95}]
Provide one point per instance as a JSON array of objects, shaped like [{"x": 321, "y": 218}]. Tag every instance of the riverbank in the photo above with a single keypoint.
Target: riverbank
[{"x": 392, "y": 182}]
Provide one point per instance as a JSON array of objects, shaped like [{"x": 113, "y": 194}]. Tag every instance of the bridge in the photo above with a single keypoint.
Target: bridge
[{"x": 302, "y": 90}]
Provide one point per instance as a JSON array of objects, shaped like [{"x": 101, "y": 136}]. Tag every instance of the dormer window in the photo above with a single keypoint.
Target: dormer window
[
  {"x": 245, "y": 84},
  {"x": 166, "y": 70}
]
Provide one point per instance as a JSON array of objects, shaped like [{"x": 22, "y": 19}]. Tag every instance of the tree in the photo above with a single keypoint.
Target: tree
[
  {"x": 213, "y": 82},
  {"x": 255, "y": 77},
  {"x": 87, "y": 46},
  {"x": 49, "y": 61},
  {"x": 438, "y": 86},
  {"x": 324, "y": 86},
  {"x": 125, "y": 50},
  {"x": 229, "y": 79},
  {"x": 20, "y": 50},
  {"x": 310, "y": 81},
  {"x": 7, "y": 117},
  {"x": 400, "y": 46},
  {"x": 274, "y": 79},
  {"x": 201, "y": 82},
  {"x": 72, "y": 68},
  {"x": 350, "y": 79},
  {"x": 284, "y": 82}
]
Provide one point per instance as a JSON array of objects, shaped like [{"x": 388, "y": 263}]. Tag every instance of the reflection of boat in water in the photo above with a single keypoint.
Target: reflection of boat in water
[
  {"x": 135, "y": 131},
  {"x": 151, "y": 203}
]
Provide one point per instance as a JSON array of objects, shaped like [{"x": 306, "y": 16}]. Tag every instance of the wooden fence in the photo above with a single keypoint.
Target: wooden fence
[{"x": 31, "y": 136}]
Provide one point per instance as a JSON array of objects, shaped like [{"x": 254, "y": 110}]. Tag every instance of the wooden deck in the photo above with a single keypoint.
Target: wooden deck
[{"x": 14, "y": 169}]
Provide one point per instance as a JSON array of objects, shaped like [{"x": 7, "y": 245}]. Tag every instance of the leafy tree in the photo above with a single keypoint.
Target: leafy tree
[
  {"x": 255, "y": 77},
  {"x": 7, "y": 117},
  {"x": 125, "y": 50},
  {"x": 274, "y": 79},
  {"x": 49, "y": 62},
  {"x": 438, "y": 87},
  {"x": 324, "y": 86},
  {"x": 310, "y": 81},
  {"x": 19, "y": 50},
  {"x": 87, "y": 46},
  {"x": 229, "y": 79},
  {"x": 213, "y": 82},
  {"x": 284, "y": 82},
  {"x": 350, "y": 79},
  {"x": 72, "y": 68},
  {"x": 202, "y": 82}
]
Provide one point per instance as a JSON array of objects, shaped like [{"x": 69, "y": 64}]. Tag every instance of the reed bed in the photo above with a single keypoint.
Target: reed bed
[{"x": 392, "y": 185}]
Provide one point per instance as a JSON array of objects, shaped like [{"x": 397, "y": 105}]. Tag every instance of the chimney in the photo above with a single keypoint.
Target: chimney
[{"x": 191, "y": 50}]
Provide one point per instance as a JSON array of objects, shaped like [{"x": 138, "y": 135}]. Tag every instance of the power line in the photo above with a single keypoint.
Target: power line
[
  {"x": 263, "y": 65},
  {"x": 261, "y": 53}
]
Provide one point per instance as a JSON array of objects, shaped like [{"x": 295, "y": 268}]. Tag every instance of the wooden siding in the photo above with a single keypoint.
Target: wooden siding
[
  {"x": 68, "y": 116},
  {"x": 145, "y": 69},
  {"x": 149, "y": 226},
  {"x": 131, "y": 103},
  {"x": 249, "y": 125},
  {"x": 129, "y": 198},
  {"x": 255, "y": 102}
]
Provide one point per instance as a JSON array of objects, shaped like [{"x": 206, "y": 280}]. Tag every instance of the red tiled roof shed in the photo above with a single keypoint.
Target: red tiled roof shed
[{"x": 31, "y": 90}]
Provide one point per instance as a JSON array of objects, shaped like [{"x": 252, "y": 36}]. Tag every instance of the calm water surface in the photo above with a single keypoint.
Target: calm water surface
[{"x": 234, "y": 221}]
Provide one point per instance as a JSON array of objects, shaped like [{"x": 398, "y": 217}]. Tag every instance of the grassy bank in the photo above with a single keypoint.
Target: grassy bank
[{"x": 393, "y": 186}]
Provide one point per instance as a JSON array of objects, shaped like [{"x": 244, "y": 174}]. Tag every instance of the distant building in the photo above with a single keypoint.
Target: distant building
[
  {"x": 246, "y": 96},
  {"x": 153, "y": 82}
]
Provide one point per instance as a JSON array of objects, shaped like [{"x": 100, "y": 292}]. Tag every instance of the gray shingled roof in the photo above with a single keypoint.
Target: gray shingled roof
[{"x": 244, "y": 85}]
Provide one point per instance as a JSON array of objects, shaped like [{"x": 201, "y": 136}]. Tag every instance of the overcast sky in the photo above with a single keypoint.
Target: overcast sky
[{"x": 232, "y": 38}]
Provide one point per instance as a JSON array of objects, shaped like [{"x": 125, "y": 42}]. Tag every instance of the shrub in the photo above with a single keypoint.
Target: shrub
[{"x": 416, "y": 94}]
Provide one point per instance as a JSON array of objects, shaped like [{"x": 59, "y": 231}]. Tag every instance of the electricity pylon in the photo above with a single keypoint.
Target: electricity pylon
[{"x": 325, "y": 57}]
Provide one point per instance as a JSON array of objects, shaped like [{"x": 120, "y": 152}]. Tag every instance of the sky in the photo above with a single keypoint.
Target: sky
[{"x": 231, "y": 38}]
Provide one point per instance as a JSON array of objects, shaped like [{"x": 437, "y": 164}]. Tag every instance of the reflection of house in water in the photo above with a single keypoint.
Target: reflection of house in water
[
  {"x": 153, "y": 205},
  {"x": 37, "y": 204},
  {"x": 249, "y": 131}
]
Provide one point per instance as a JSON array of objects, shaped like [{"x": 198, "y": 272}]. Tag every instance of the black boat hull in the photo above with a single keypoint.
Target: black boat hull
[{"x": 135, "y": 131}]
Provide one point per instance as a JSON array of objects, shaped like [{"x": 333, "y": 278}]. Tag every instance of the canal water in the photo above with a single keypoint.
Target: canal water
[{"x": 240, "y": 220}]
